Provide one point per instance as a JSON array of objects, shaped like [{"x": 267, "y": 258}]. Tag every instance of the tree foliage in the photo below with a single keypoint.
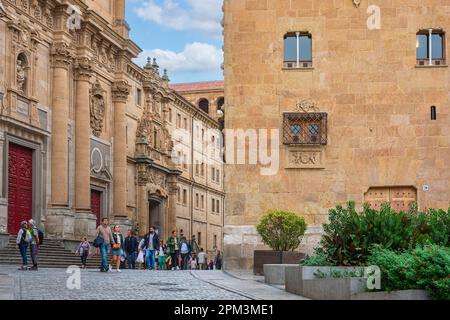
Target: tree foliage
[{"x": 282, "y": 230}]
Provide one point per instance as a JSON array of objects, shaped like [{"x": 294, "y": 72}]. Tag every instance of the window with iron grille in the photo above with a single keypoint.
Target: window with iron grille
[{"x": 305, "y": 128}]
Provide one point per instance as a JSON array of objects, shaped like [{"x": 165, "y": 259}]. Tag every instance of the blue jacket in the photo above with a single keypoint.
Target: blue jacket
[
  {"x": 155, "y": 241},
  {"x": 131, "y": 244}
]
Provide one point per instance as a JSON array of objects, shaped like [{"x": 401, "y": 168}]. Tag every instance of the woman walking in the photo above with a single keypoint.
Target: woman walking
[
  {"x": 117, "y": 251},
  {"x": 83, "y": 251},
  {"x": 162, "y": 256}
]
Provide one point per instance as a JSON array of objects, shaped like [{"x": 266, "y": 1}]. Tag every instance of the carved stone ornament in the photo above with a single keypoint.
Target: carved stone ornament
[
  {"x": 305, "y": 158},
  {"x": 120, "y": 91},
  {"x": 306, "y": 106},
  {"x": 62, "y": 55},
  {"x": 97, "y": 109},
  {"x": 2, "y": 9},
  {"x": 21, "y": 75},
  {"x": 83, "y": 67},
  {"x": 357, "y": 3}
]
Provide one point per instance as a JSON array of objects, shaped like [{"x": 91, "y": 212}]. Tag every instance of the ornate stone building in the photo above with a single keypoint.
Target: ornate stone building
[
  {"x": 360, "y": 94},
  {"x": 208, "y": 96},
  {"x": 85, "y": 133}
]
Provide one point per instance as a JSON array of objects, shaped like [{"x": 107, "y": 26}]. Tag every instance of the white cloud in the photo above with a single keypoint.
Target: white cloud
[
  {"x": 195, "y": 58},
  {"x": 197, "y": 15}
]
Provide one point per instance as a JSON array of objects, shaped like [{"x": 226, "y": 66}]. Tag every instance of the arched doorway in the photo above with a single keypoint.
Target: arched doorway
[
  {"x": 156, "y": 214},
  {"x": 203, "y": 104}
]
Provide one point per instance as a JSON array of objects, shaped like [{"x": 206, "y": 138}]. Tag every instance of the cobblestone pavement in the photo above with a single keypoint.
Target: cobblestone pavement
[{"x": 50, "y": 284}]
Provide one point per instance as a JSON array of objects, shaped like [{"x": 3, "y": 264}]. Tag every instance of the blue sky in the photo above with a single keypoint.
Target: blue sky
[{"x": 184, "y": 35}]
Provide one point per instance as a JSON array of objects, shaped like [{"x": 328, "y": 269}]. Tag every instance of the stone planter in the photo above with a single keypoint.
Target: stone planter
[
  {"x": 394, "y": 295},
  {"x": 296, "y": 277},
  {"x": 275, "y": 273},
  {"x": 302, "y": 281},
  {"x": 262, "y": 257}
]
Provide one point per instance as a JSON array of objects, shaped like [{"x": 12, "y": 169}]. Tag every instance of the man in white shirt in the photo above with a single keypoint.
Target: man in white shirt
[{"x": 202, "y": 259}]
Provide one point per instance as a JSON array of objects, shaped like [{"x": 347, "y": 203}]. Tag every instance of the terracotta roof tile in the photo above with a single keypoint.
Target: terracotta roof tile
[{"x": 198, "y": 86}]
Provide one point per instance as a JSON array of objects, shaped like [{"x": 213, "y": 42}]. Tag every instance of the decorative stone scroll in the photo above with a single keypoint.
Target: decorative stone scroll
[{"x": 305, "y": 158}]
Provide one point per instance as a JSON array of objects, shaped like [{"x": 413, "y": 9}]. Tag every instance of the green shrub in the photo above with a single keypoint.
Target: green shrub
[
  {"x": 426, "y": 267},
  {"x": 282, "y": 230},
  {"x": 316, "y": 260},
  {"x": 349, "y": 235}
]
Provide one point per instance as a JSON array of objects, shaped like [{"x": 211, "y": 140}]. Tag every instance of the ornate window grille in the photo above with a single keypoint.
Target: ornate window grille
[{"x": 303, "y": 128}]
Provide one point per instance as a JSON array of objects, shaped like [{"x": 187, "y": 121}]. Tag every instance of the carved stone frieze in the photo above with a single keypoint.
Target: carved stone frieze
[{"x": 305, "y": 158}]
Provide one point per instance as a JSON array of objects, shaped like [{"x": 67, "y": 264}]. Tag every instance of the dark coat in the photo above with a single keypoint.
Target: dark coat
[
  {"x": 155, "y": 241},
  {"x": 115, "y": 239},
  {"x": 131, "y": 244}
]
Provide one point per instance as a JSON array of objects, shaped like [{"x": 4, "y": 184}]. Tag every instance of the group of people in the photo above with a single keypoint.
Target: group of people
[
  {"x": 29, "y": 237},
  {"x": 149, "y": 252}
]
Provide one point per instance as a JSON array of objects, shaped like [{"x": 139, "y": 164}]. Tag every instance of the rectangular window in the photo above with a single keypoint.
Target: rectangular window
[
  {"x": 213, "y": 205},
  {"x": 305, "y": 128},
  {"x": 138, "y": 96},
  {"x": 215, "y": 242},
  {"x": 179, "y": 195},
  {"x": 178, "y": 120},
  {"x": 218, "y": 206},
  {"x": 202, "y": 169},
  {"x": 213, "y": 174},
  {"x": 430, "y": 46},
  {"x": 185, "y": 124},
  {"x": 203, "y": 201},
  {"x": 199, "y": 238},
  {"x": 298, "y": 50},
  {"x": 184, "y": 196},
  {"x": 170, "y": 115},
  {"x": 218, "y": 176},
  {"x": 197, "y": 204}
]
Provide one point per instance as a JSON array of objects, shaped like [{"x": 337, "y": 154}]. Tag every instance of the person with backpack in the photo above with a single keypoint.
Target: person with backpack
[
  {"x": 34, "y": 244},
  {"x": 103, "y": 240},
  {"x": 173, "y": 249},
  {"x": 185, "y": 251},
  {"x": 83, "y": 251},
  {"x": 218, "y": 261},
  {"x": 22, "y": 242},
  {"x": 151, "y": 244}
]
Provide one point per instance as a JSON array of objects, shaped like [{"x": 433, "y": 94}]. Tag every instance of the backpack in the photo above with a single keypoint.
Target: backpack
[
  {"x": 26, "y": 236},
  {"x": 40, "y": 236}
]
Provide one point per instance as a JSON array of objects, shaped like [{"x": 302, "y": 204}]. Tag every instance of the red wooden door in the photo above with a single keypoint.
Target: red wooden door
[
  {"x": 20, "y": 186},
  {"x": 96, "y": 198}
]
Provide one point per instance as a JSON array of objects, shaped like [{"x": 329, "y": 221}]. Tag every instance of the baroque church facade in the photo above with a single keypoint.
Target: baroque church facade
[{"x": 85, "y": 133}]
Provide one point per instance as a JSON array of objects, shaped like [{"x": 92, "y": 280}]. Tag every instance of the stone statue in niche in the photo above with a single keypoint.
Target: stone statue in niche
[
  {"x": 21, "y": 75},
  {"x": 97, "y": 109}
]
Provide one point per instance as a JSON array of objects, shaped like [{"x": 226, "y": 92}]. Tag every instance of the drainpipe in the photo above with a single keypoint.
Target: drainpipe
[{"x": 191, "y": 173}]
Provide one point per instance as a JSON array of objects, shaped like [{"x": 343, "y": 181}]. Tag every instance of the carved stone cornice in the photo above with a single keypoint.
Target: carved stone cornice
[
  {"x": 120, "y": 91},
  {"x": 62, "y": 55},
  {"x": 83, "y": 69}
]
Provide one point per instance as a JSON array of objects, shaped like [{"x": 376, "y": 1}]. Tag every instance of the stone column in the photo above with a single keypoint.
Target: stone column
[
  {"x": 59, "y": 221},
  {"x": 143, "y": 214},
  {"x": 82, "y": 137},
  {"x": 172, "y": 203},
  {"x": 120, "y": 92},
  {"x": 85, "y": 221},
  {"x": 62, "y": 59}
]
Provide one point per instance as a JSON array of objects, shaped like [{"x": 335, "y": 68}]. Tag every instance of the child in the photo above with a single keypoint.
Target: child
[
  {"x": 193, "y": 263},
  {"x": 211, "y": 265},
  {"x": 162, "y": 256},
  {"x": 83, "y": 251}
]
